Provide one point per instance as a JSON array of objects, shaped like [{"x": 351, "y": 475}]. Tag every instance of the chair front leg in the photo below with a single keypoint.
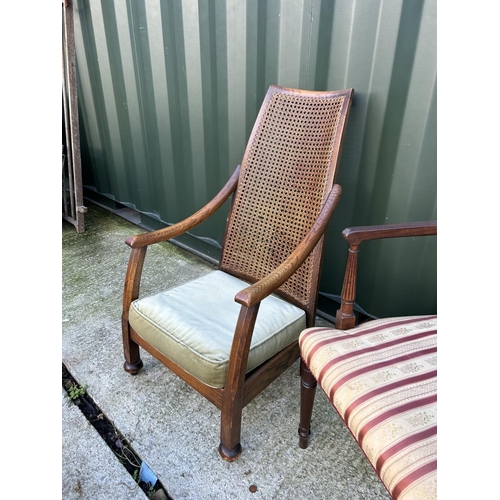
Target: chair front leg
[
  {"x": 133, "y": 362},
  {"x": 232, "y": 397},
  {"x": 307, "y": 393}
]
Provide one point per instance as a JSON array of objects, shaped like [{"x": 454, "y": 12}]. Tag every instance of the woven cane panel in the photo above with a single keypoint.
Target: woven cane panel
[{"x": 285, "y": 178}]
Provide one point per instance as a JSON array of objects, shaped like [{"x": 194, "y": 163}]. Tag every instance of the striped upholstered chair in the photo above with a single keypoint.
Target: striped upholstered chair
[{"x": 381, "y": 377}]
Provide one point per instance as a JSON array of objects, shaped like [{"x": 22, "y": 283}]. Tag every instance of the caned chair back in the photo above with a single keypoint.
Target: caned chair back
[{"x": 288, "y": 169}]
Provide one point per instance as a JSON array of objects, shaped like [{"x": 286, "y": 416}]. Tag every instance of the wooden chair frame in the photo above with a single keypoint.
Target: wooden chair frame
[{"x": 240, "y": 387}]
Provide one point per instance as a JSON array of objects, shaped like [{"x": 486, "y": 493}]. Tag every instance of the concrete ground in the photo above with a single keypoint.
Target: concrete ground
[{"x": 173, "y": 429}]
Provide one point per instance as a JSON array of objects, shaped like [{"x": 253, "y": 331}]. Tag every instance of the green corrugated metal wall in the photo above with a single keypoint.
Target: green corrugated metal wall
[{"x": 169, "y": 90}]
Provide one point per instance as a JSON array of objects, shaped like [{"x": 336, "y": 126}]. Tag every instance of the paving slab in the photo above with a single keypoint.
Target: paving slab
[{"x": 89, "y": 468}]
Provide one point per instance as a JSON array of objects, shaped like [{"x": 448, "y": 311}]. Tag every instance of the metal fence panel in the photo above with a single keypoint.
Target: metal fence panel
[{"x": 169, "y": 91}]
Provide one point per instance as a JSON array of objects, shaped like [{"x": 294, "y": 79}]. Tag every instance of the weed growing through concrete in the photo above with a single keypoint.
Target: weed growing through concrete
[{"x": 76, "y": 391}]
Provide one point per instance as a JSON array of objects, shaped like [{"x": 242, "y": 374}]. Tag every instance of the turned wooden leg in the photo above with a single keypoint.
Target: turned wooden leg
[
  {"x": 307, "y": 393},
  {"x": 345, "y": 317},
  {"x": 133, "y": 362}
]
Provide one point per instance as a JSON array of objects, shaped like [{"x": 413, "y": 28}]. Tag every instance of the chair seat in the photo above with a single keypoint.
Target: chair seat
[
  {"x": 175, "y": 323},
  {"x": 381, "y": 377}
]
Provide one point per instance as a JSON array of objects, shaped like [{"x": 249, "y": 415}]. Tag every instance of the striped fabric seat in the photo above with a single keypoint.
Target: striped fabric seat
[{"x": 381, "y": 377}]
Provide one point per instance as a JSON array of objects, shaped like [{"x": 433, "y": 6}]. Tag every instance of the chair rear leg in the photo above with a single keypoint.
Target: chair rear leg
[
  {"x": 307, "y": 393},
  {"x": 133, "y": 362}
]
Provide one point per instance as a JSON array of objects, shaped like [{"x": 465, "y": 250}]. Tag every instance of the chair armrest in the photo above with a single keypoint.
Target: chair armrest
[
  {"x": 345, "y": 317},
  {"x": 140, "y": 243},
  {"x": 270, "y": 283},
  {"x": 164, "y": 234},
  {"x": 358, "y": 234}
]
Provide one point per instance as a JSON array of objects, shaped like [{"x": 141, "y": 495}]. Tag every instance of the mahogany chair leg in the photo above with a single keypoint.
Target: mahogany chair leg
[
  {"x": 307, "y": 393},
  {"x": 133, "y": 362}
]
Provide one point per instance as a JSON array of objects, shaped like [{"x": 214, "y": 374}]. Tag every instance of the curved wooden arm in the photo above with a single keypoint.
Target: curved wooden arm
[
  {"x": 269, "y": 284},
  {"x": 345, "y": 317},
  {"x": 132, "y": 282},
  {"x": 250, "y": 298},
  {"x": 140, "y": 243},
  {"x": 146, "y": 239}
]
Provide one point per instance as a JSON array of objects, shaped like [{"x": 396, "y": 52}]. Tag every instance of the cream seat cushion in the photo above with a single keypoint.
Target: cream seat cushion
[{"x": 193, "y": 325}]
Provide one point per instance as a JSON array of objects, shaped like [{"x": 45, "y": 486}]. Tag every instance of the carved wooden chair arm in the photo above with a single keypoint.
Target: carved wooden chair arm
[
  {"x": 164, "y": 234},
  {"x": 345, "y": 317},
  {"x": 256, "y": 292}
]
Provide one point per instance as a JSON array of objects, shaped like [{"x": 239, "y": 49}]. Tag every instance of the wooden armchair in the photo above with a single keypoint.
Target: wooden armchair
[
  {"x": 381, "y": 377},
  {"x": 230, "y": 333}
]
